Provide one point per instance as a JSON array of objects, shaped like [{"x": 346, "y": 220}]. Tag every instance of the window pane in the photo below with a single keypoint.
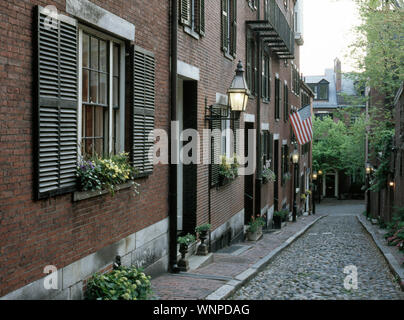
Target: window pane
[
  {"x": 85, "y": 86},
  {"x": 115, "y": 92},
  {"x": 116, "y": 60},
  {"x": 103, "y": 89},
  {"x": 85, "y": 54},
  {"x": 103, "y": 56},
  {"x": 94, "y": 87},
  {"x": 94, "y": 53}
]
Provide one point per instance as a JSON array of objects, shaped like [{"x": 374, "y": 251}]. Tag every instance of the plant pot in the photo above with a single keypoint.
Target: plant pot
[
  {"x": 183, "y": 263},
  {"x": 277, "y": 222},
  {"x": 254, "y": 236},
  {"x": 203, "y": 248},
  {"x": 223, "y": 181}
]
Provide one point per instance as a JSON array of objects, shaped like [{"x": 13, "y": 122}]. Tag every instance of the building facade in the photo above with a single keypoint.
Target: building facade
[
  {"x": 334, "y": 91},
  {"x": 98, "y": 77}
]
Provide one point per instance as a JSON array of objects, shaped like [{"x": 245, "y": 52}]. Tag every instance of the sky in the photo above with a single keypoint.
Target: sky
[{"x": 327, "y": 33}]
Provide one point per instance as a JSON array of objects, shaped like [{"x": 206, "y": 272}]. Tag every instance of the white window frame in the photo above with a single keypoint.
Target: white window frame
[{"x": 120, "y": 134}]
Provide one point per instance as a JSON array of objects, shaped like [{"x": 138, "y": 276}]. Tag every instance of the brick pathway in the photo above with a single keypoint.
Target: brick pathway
[{"x": 177, "y": 287}]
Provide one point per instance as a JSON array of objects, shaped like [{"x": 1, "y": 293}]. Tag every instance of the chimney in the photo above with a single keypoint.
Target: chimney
[{"x": 338, "y": 74}]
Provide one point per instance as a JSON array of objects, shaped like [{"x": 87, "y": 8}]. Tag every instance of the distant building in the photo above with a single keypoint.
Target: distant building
[{"x": 332, "y": 91}]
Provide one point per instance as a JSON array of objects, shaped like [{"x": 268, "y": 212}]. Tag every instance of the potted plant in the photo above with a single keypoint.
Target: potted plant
[
  {"x": 184, "y": 243},
  {"x": 228, "y": 170},
  {"x": 202, "y": 231},
  {"x": 268, "y": 175},
  {"x": 278, "y": 217},
  {"x": 254, "y": 231}
]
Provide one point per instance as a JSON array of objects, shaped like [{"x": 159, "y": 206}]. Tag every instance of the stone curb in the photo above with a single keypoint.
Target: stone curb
[
  {"x": 232, "y": 286},
  {"x": 390, "y": 259}
]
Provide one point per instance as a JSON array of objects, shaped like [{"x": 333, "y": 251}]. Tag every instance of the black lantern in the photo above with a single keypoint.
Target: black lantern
[{"x": 238, "y": 91}]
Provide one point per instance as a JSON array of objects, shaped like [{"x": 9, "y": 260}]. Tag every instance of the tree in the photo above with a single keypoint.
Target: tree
[
  {"x": 378, "y": 48},
  {"x": 340, "y": 145}
]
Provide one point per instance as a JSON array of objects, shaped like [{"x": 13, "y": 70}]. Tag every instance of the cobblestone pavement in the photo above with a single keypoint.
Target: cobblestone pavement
[{"x": 313, "y": 266}]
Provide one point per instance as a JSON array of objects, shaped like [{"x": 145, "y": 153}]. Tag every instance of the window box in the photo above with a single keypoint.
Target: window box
[{"x": 83, "y": 195}]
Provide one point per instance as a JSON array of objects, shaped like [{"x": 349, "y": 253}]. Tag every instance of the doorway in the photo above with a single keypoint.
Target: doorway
[
  {"x": 248, "y": 180},
  {"x": 330, "y": 186}
]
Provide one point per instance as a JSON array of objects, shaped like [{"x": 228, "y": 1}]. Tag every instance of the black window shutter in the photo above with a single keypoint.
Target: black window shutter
[
  {"x": 215, "y": 145},
  {"x": 277, "y": 100},
  {"x": 249, "y": 66},
  {"x": 234, "y": 28},
  {"x": 235, "y": 125},
  {"x": 200, "y": 27},
  {"x": 185, "y": 12},
  {"x": 56, "y": 79},
  {"x": 224, "y": 25},
  {"x": 286, "y": 103},
  {"x": 143, "y": 110}
]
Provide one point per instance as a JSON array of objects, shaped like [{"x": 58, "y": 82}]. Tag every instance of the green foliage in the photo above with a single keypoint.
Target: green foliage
[
  {"x": 203, "y": 228},
  {"x": 268, "y": 175},
  {"x": 395, "y": 234},
  {"x": 186, "y": 240},
  {"x": 124, "y": 283},
  {"x": 255, "y": 224},
  {"x": 340, "y": 145},
  {"x": 377, "y": 50},
  {"x": 283, "y": 214},
  {"x": 229, "y": 167},
  {"x": 105, "y": 173}
]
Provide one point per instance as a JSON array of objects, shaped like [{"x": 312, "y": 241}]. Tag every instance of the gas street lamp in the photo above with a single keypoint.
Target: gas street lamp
[
  {"x": 295, "y": 161},
  {"x": 238, "y": 91}
]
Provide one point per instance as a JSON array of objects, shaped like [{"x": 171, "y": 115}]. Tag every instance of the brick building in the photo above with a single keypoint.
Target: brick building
[{"x": 110, "y": 73}]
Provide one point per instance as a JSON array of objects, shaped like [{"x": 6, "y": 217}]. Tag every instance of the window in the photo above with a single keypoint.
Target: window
[
  {"x": 277, "y": 98},
  {"x": 322, "y": 91},
  {"x": 221, "y": 142},
  {"x": 267, "y": 149},
  {"x": 322, "y": 116},
  {"x": 101, "y": 90},
  {"x": 266, "y": 77},
  {"x": 295, "y": 80},
  {"x": 229, "y": 27},
  {"x": 192, "y": 16},
  {"x": 252, "y": 66}
]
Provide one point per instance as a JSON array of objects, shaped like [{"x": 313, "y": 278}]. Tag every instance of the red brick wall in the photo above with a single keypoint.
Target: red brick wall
[{"x": 57, "y": 231}]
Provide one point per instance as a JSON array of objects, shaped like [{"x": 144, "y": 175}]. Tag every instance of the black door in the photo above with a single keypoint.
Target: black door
[
  {"x": 330, "y": 186},
  {"x": 276, "y": 170},
  {"x": 248, "y": 181}
]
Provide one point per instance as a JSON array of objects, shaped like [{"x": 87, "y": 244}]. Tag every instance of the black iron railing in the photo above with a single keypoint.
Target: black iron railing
[{"x": 279, "y": 22}]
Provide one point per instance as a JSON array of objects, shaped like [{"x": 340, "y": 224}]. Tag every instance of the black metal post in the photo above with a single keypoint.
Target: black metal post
[
  {"x": 313, "y": 201},
  {"x": 368, "y": 196},
  {"x": 294, "y": 193}
]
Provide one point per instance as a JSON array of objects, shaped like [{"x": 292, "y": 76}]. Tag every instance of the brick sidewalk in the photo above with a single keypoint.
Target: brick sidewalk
[{"x": 225, "y": 266}]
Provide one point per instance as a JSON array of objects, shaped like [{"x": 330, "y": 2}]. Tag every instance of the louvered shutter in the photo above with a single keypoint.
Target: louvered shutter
[
  {"x": 249, "y": 66},
  {"x": 216, "y": 124},
  {"x": 270, "y": 149},
  {"x": 224, "y": 26},
  {"x": 56, "y": 80},
  {"x": 286, "y": 103},
  {"x": 200, "y": 26},
  {"x": 236, "y": 126},
  {"x": 277, "y": 100},
  {"x": 143, "y": 110},
  {"x": 234, "y": 28},
  {"x": 185, "y": 12}
]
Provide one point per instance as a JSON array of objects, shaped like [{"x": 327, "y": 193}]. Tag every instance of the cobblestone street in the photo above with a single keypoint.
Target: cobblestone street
[{"x": 313, "y": 266}]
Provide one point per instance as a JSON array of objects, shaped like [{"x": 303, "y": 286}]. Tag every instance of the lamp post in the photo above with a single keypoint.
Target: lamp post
[
  {"x": 320, "y": 175},
  {"x": 295, "y": 161},
  {"x": 314, "y": 177},
  {"x": 368, "y": 170}
]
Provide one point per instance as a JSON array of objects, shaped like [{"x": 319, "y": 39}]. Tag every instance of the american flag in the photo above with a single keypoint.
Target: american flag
[{"x": 302, "y": 125}]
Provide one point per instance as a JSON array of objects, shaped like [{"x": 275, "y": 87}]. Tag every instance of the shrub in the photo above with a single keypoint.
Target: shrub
[
  {"x": 124, "y": 283},
  {"x": 203, "y": 228},
  {"x": 255, "y": 223},
  {"x": 268, "y": 175},
  {"x": 186, "y": 240}
]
